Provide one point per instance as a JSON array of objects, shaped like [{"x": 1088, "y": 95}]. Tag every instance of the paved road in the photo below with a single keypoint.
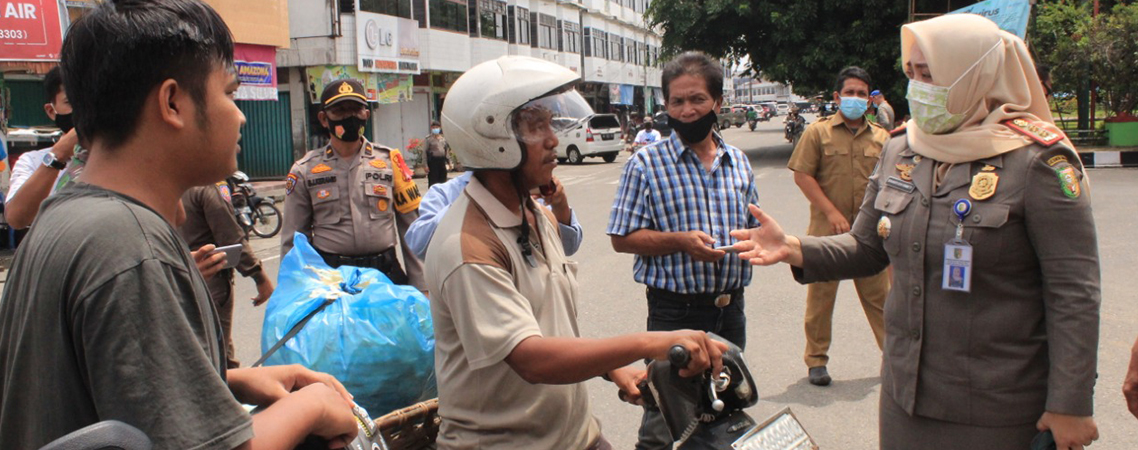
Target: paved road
[{"x": 843, "y": 415}]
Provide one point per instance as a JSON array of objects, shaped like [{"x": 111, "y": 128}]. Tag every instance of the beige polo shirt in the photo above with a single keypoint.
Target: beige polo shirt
[
  {"x": 485, "y": 299},
  {"x": 841, "y": 161}
]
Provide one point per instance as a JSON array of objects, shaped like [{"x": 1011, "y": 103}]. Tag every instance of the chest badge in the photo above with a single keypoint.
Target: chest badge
[
  {"x": 321, "y": 168},
  {"x": 983, "y": 185},
  {"x": 378, "y": 164},
  {"x": 884, "y": 227},
  {"x": 380, "y": 190},
  {"x": 905, "y": 171},
  {"x": 382, "y": 205},
  {"x": 323, "y": 194}
]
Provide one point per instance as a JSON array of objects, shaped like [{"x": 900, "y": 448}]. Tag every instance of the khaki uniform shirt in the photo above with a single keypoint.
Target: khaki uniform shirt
[
  {"x": 485, "y": 300},
  {"x": 353, "y": 206},
  {"x": 210, "y": 219},
  {"x": 437, "y": 146},
  {"x": 841, "y": 161},
  {"x": 1025, "y": 339}
]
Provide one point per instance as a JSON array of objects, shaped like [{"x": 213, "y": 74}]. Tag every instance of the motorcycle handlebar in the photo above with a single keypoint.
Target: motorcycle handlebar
[{"x": 679, "y": 356}]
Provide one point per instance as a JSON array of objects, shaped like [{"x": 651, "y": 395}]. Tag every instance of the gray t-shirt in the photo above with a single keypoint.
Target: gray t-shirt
[{"x": 105, "y": 316}]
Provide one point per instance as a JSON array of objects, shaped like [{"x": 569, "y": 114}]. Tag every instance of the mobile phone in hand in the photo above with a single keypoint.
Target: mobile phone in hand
[{"x": 232, "y": 255}]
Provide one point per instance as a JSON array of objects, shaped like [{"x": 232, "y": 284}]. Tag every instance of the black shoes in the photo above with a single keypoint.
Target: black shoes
[{"x": 819, "y": 376}]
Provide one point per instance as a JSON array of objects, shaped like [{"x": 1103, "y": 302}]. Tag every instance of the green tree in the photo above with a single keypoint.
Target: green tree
[
  {"x": 1057, "y": 38},
  {"x": 1112, "y": 47},
  {"x": 804, "y": 42}
]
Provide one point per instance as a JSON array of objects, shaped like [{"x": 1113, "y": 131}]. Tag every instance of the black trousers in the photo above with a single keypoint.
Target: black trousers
[{"x": 438, "y": 170}]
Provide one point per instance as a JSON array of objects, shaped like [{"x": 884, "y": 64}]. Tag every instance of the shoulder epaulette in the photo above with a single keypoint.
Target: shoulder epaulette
[{"x": 1039, "y": 131}]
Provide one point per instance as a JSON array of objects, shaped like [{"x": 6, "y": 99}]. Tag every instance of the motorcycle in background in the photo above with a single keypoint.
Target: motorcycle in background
[{"x": 255, "y": 214}]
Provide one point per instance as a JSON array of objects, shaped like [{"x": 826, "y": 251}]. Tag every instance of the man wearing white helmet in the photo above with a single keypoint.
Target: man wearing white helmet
[{"x": 504, "y": 297}]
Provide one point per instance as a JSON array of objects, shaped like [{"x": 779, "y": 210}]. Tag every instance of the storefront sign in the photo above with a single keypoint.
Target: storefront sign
[
  {"x": 381, "y": 88},
  {"x": 387, "y": 44},
  {"x": 30, "y": 30},
  {"x": 256, "y": 70}
]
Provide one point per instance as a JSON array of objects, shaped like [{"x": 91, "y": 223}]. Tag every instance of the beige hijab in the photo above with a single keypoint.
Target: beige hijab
[{"x": 995, "y": 81}]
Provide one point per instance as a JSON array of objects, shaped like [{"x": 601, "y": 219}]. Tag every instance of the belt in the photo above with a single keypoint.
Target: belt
[
  {"x": 719, "y": 299},
  {"x": 384, "y": 261}
]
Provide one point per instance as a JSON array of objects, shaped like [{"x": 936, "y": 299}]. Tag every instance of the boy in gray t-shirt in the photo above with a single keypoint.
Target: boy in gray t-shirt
[{"x": 105, "y": 315}]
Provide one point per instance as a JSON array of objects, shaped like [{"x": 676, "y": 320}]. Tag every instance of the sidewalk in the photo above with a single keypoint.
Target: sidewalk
[{"x": 1109, "y": 156}]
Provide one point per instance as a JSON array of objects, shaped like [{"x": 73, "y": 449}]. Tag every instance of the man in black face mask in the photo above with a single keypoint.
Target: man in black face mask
[
  {"x": 675, "y": 205},
  {"x": 40, "y": 173},
  {"x": 353, "y": 200}
]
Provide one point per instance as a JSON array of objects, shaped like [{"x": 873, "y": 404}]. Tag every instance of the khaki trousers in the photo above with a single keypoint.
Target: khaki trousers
[{"x": 820, "y": 299}]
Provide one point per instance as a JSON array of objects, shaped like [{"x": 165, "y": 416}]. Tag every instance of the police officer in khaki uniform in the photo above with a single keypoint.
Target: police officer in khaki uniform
[
  {"x": 831, "y": 165},
  {"x": 210, "y": 219},
  {"x": 981, "y": 205},
  {"x": 353, "y": 199}
]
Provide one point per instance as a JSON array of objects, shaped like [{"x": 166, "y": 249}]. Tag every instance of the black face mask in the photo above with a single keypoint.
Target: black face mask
[
  {"x": 348, "y": 130},
  {"x": 693, "y": 132},
  {"x": 63, "y": 121}
]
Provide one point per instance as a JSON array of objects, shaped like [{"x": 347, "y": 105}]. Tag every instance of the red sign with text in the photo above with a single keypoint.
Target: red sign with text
[{"x": 29, "y": 30}]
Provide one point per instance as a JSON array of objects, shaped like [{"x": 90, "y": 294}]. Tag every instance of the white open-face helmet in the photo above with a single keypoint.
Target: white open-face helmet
[{"x": 479, "y": 109}]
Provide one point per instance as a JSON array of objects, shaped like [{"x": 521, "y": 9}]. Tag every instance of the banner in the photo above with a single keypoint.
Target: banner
[
  {"x": 387, "y": 44},
  {"x": 621, "y": 94},
  {"x": 30, "y": 30},
  {"x": 383, "y": 88},
  {"x": 256, "y": 70},
  {"x": 1009, "y": 15}
]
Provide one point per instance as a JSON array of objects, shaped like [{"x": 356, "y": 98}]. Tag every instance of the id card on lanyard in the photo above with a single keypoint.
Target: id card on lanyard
[{"x": 958, "y": 253}]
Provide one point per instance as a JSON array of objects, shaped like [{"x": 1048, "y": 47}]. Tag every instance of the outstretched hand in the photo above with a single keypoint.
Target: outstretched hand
[{"x": 767, "y": 244}]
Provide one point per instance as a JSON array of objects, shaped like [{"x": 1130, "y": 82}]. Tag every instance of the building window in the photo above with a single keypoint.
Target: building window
[
  {"x": 449, "y": 15},
  {"x": 570, "y": 37},
  {"x": 596, "y": 43},
  {"x": 616, "y": 47},
  {"x": 419, "y": 13},
  {"x": 492, "y": 19},
  {"x": 629, "y": 50},
  {"x": 519, "y": 32},
  {"x": 545, "y": 31},
  {"x": 397, "y": 8}
]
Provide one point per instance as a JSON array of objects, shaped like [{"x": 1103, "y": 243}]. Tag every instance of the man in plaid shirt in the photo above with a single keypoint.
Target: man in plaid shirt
[{"x": 677, "y": 201}]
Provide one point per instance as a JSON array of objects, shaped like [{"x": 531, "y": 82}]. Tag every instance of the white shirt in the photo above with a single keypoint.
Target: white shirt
[
  {"x": 28, "y": 163},
  {"x": 647, "y": 136}
]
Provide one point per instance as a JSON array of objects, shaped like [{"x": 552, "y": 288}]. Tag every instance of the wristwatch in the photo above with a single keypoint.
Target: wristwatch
[{"x": 50, "y": 161}]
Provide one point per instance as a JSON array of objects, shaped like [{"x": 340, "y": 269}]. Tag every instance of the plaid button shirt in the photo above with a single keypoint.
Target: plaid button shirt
[{"x": 666, "y": 188}]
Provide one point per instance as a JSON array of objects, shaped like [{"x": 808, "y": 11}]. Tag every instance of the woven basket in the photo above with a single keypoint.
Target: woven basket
[{"x": 412, "y": 428}]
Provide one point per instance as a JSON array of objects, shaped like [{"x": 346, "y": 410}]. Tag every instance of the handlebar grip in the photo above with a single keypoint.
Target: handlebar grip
[{"x": 679, "y": 356}]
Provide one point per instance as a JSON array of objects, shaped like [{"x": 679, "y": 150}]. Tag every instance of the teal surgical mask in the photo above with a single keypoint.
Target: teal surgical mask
[
  {"x": 854, "y": 107},
  {"x": 929, "y": 106}
]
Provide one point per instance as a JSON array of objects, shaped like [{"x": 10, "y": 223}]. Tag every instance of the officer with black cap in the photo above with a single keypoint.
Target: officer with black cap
[{"x": 351, "y": 197}]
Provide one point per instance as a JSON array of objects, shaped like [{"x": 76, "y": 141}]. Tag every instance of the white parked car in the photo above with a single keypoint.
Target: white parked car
[
  {"x": 783, "y": 109},
  {"x": 596, "y": 135}
]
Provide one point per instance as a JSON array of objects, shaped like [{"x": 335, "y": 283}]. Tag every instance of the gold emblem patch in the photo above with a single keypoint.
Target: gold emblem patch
[
  {"x": 884, "y": 226},
  {"x": 983, "y": 185},
  {"x": 378, "y": 164},
  {"x": 382, "y": 205},
  {"x": 321, "y": 168},
  {"x": 1056, "y": 160},
  {"x": 905, "y": 171},
  {"x": 345, "y": 88},
  {"x": 379, "y": 189},
  {"x": 988, "y": 168}
]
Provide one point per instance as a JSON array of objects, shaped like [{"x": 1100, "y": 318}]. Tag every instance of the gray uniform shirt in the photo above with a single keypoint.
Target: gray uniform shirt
[
  {"x": 1025, "y": 339},
  {"x": 350, "y": 206},
  {"x": 105, "y": 316}
]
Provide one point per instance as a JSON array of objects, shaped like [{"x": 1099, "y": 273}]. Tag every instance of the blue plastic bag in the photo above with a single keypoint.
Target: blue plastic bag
[{"x": 376, "y": 337}]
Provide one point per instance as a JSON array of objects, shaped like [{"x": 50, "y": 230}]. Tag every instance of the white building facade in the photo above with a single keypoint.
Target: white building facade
[{"x": 606, "y": 41}]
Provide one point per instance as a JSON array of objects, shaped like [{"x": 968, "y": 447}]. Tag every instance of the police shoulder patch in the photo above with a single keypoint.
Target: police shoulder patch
[
  {"x": 290, "y": 183},
  {"x": 1039, "y": 131}
]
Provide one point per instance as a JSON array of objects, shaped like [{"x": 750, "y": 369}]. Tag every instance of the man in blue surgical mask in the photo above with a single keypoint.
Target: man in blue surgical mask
[{"x": 832, "y": 164}]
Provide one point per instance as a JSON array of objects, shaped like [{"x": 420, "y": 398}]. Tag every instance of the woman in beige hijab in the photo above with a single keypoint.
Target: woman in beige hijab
[{"x": 980, "y": 205}]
